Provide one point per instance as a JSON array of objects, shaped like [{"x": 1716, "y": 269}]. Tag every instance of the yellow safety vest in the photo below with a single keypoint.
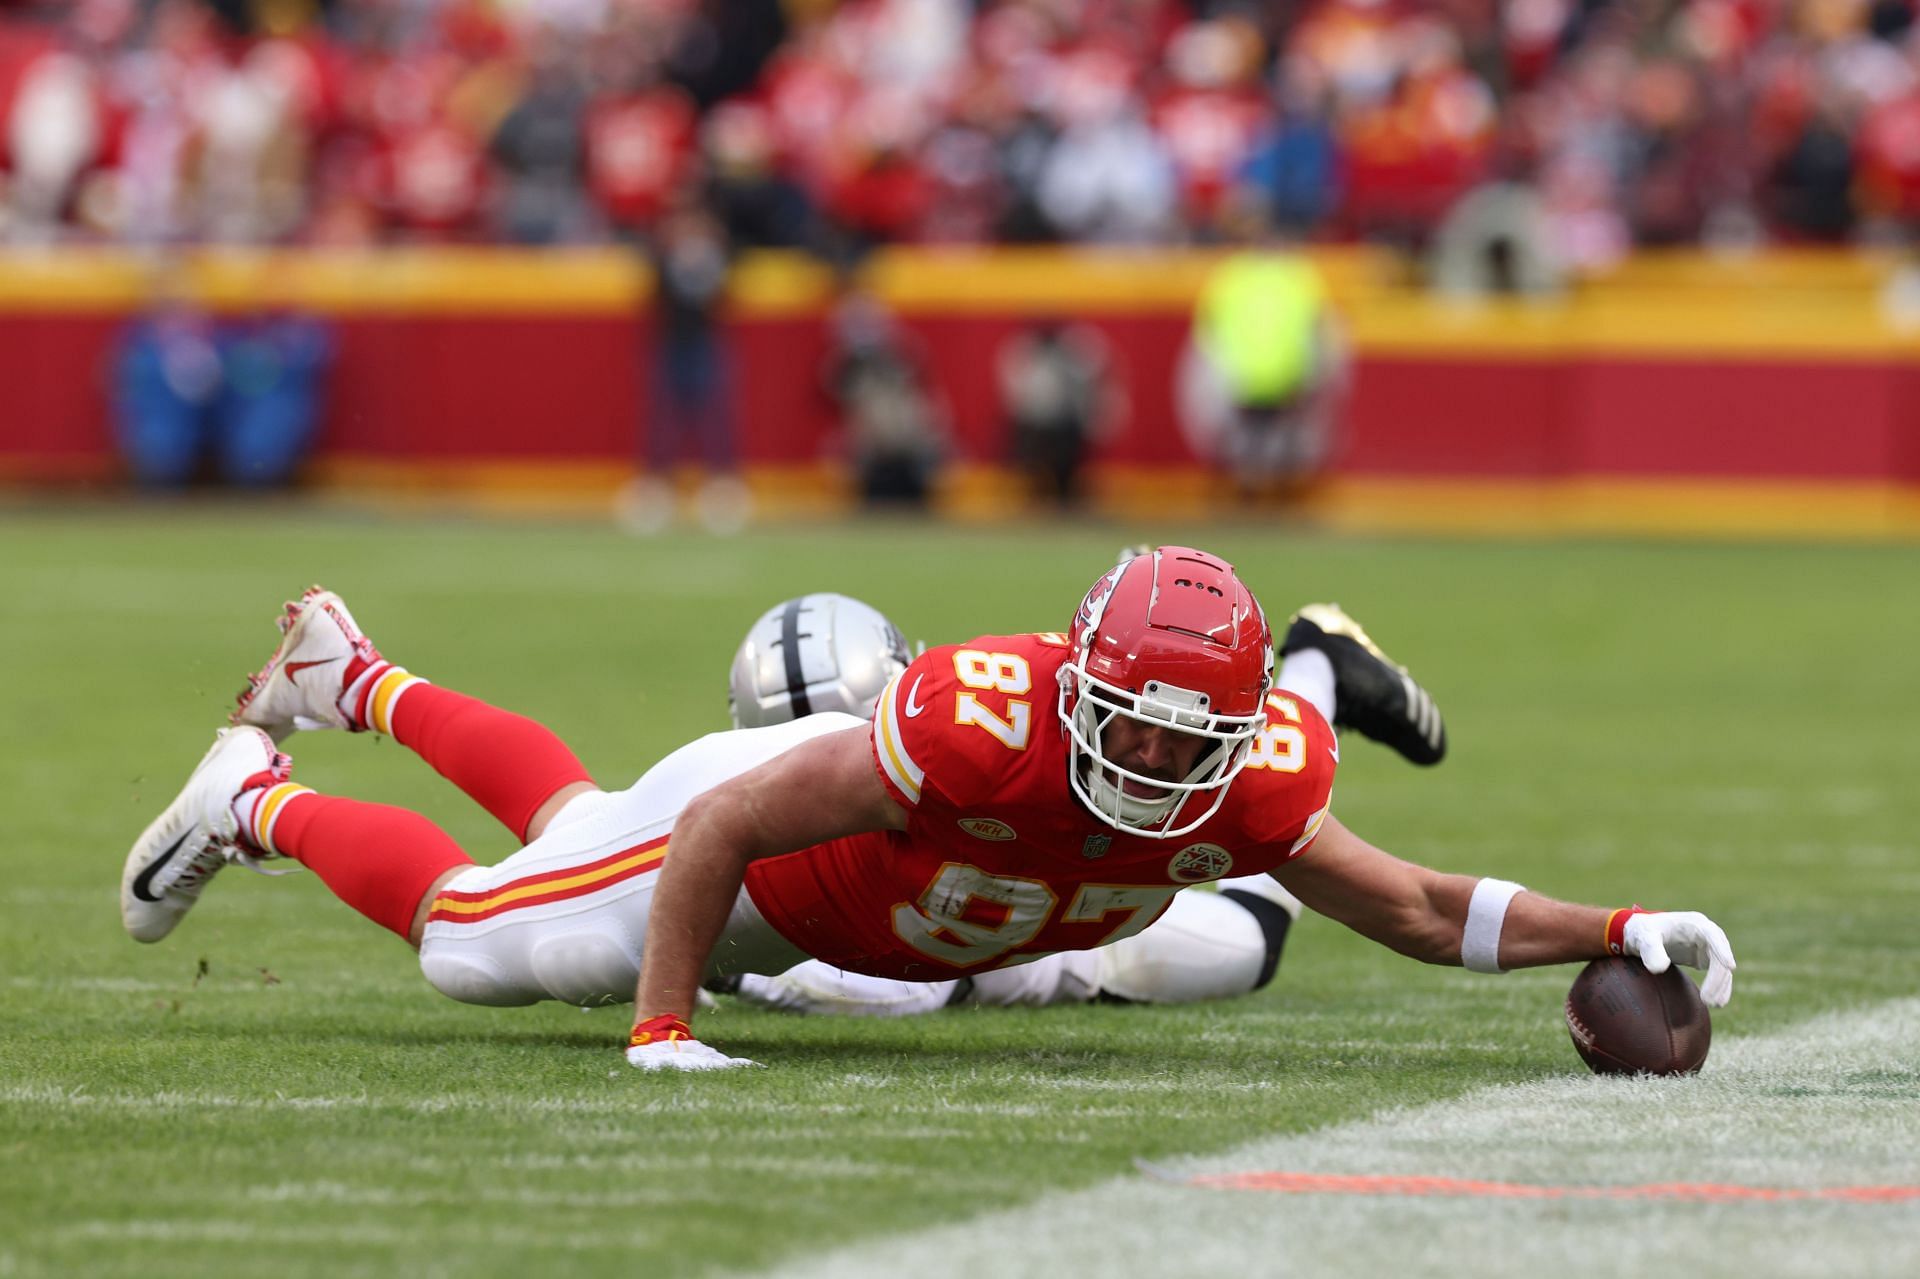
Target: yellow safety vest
[{"x": 1256, "y": 321}]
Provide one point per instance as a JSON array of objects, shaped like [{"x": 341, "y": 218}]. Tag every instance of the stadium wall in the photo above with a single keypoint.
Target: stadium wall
[{"x": 1686, "y": 384}]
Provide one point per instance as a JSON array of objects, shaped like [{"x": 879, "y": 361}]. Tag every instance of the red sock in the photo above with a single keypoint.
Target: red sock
[
  {"x": 376, "y": 858},
  {"x": 506, "y": 763}
]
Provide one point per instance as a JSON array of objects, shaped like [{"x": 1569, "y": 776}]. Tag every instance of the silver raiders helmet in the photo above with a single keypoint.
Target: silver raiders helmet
[{"x": 820, "y": 652}]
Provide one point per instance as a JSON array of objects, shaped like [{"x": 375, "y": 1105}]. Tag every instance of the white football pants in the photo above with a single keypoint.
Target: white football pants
[{"x": 566, "y": 917}]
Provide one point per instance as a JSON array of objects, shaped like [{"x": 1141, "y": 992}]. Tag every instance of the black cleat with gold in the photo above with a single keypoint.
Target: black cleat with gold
[{"x": 1377, "y": 698}]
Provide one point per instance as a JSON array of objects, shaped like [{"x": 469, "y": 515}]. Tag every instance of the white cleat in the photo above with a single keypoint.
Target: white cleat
[
  {"x": 185, "y": 846},
  {"x": 321, "y": 653}
]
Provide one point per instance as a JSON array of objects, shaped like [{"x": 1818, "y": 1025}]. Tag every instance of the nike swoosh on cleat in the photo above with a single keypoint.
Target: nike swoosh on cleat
[
  {"x": 293, "y": 669},
  {"x": 145, "y": 879}
]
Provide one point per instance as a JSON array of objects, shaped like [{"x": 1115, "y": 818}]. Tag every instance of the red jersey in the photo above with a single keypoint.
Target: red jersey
[
  {"x": 639, "y": 148},
  {"x": 999, "y": 863}
]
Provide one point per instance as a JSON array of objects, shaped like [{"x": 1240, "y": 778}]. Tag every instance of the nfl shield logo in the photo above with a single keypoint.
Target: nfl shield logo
[{"x": 1096, "y": 846}]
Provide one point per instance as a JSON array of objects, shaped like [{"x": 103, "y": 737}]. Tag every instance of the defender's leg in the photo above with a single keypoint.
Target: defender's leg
[
  {"x": 1208, "y": 946},
  {"x": 1328, "y": 656}
]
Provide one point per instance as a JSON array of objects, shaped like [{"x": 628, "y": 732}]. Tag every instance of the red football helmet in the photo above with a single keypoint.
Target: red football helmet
[{"x": 1170, "y": 638}]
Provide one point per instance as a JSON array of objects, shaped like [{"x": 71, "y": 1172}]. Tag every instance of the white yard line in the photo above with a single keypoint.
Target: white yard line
[
  {"x": 1831, "y": 1102},
  {"x": 280, "y": 1233},
  {"x": 188, "y": 1101}
]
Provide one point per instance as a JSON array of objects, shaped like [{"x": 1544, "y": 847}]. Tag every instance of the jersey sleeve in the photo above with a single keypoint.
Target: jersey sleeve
[
  {"x": 943, "y": 728},
  {"x": 1292, "y": 768},
  {"x": 904, "y": 743}
]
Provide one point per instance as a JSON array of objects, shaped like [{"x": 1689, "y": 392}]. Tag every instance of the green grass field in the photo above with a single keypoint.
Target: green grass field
[{"x": 1727, "y": 728}]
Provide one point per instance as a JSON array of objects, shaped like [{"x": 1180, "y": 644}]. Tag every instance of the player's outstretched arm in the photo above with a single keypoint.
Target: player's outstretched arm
[
  {"x": 823, "y": 789},
  {"x": 1490, "y": 925}
]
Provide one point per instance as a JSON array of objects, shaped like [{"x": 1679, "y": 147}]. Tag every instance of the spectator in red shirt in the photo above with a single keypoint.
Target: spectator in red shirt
[{"x": 640, "y": 143}]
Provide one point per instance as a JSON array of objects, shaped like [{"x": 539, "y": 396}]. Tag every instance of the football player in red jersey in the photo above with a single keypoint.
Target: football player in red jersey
[
  {"x": 1011, "y": 796},
  {"x": 829, "y": 652}
]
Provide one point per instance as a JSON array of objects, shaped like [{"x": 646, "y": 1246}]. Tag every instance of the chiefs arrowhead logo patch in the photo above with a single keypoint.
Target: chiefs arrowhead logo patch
[
  {"x": 1197, "y": 863},
  {"x": 986, "y": 828}
]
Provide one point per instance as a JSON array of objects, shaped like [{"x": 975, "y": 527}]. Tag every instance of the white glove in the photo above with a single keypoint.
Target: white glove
[
  {"x": 682, "y": 1054},
  {"x": 1661, "y": 937},
  {"x": 666, "y": 1043}
]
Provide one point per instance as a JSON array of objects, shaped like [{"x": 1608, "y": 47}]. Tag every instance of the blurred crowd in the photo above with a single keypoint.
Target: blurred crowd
[{"x": 839, "y": 124}]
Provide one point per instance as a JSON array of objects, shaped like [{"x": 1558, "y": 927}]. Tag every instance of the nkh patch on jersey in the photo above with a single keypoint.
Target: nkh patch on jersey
[{"x": 999, "y": 861}]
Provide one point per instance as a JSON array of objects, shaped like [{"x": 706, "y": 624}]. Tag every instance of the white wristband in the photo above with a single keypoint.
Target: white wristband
[{"x": 1486, "y": 914}]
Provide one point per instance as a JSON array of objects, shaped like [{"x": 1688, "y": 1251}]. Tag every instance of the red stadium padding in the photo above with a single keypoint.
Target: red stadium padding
[{"x": 512, "y": 376}]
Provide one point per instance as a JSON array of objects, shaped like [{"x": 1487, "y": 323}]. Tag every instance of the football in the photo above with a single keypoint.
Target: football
[{"x": 1626, "y": 1021}]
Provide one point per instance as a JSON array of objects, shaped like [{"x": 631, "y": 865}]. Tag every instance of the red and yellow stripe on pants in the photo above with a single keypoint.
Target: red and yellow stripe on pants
[{"x": 455, "y": 907}]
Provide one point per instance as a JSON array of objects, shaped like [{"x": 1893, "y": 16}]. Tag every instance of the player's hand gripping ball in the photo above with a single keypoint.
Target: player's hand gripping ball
[{"x": 1627, "y": 1021}]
